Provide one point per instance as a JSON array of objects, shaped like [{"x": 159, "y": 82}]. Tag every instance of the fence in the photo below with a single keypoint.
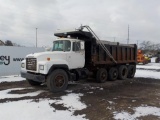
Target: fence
[{"x": 11, "y": 57}]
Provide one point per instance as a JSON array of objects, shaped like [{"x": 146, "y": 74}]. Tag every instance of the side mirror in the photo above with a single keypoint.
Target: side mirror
[
  {"x": 48, "y": 49},
  {"x": 82, "y": 45}
]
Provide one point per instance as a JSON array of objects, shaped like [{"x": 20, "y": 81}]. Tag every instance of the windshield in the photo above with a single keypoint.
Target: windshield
[{"x": 61, "y": 45}]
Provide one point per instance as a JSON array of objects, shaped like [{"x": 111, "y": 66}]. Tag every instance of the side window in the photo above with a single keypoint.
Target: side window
[
  {"x": 76, "y": 46},
  {"x": 67, "y": 46},
  {"x": 55, "y": 46}
]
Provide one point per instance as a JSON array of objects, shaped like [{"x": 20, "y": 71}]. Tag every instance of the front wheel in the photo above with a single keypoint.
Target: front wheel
[
  {"x": 33, "y": 83},
  {"x": 57, "y": 81}
]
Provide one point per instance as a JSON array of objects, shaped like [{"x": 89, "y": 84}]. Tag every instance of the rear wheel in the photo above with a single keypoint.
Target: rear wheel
[
  {"x": 33, "y": 83},
  {"x": 57, "y": 81},
  {"x": 113, "y": 73},
  {"x": 101, "y": 75},
  {"x": 122, "y": 72},
  {"x": 131, "y": 71}
]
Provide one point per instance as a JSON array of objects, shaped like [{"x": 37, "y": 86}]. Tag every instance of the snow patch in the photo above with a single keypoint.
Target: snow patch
[
  {"x": 72, "y": 101},
  {"x": 139, "y": 112},
  {"x": 11, "y": 78},
  {"x": 110, "y": 102},
  {"x": 41, "y": 110},
  {"x": 154, "y": 66},
  {"x": 5, "y": 93},
  {"x": 147, "y": 74},
  {"x": 90, "y": 92},
  {"x": 133, "y": 100},
  {"x": 29, "y": 110},
  {"x": 100, "y": 88}
]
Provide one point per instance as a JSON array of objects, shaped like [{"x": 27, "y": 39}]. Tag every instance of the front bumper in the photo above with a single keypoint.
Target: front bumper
[{"x": 34, "y": 77}]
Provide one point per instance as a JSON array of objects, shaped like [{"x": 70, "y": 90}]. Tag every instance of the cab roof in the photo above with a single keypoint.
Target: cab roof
[{"x": 77, "y": 34}]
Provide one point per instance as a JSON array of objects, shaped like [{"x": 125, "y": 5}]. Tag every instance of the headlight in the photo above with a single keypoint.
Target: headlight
[
  {"x": 41, "y": 67},
  {"x": 22, "y": 65}
]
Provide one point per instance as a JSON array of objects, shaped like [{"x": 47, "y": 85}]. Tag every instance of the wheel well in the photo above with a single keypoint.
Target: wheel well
[{"x": 63, "y": 66}]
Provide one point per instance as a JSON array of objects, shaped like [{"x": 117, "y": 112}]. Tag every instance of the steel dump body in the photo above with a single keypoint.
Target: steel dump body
[
  {"x": 96, "y": 56},
  {"x": 121, "y": 53}
]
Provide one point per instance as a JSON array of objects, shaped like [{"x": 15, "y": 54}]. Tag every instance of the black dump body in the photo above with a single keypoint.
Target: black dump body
[{"x": 95, "y": 56}]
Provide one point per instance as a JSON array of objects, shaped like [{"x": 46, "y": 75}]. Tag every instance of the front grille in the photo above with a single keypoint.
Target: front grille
[{"x": 31, "y": 64}]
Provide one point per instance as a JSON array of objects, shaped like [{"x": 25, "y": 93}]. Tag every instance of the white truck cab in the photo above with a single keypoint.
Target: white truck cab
[{"x": 67, "y": 53}]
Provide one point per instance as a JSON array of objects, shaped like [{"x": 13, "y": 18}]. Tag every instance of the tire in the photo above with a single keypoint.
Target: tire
[
  {"x": 113, "y": 73},
  {"x": 131, "y": 71},
  {"x": 101, "y": 75},
  {"x": 57, "y": 81},
  {"x": 33, "y": 83},
  {"x": 122, "y": 72}
]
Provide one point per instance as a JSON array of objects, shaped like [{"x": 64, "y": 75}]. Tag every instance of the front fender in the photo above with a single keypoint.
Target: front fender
[{"x": 49, "y": 66}]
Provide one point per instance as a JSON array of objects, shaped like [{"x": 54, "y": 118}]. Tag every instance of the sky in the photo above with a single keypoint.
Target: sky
[{"x": 108, "y": 18}]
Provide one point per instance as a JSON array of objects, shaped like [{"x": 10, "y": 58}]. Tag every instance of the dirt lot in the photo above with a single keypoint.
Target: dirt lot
[{"x": 102, "y": 100}]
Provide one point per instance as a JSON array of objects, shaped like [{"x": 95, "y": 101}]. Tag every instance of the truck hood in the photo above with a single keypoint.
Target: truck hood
[{"x": 42, "y": 56}]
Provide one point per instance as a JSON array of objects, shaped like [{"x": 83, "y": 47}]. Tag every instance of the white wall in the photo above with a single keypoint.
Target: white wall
[{"x": 11, "y": 57}]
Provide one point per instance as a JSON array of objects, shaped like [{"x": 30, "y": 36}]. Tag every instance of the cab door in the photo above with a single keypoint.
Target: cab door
[{"x": 77, "y": 56}]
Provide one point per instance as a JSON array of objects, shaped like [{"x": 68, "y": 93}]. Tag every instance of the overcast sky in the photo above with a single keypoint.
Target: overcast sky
[{"x": 108, "y": 18}]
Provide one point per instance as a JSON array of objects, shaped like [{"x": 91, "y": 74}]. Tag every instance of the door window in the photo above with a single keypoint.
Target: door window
[{"x": 76, "y": 46}]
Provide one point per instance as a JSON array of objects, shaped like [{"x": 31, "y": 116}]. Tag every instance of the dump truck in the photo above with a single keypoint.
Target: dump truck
[{"x": 79, "y": 54}]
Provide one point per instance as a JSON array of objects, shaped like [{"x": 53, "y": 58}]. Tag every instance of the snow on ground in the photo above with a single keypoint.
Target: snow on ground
[
  {"x": 154, "y": 66},
  {"x": 42, "y": 110},
  {"x": 139, "y": 112},
  {"x": 148, "y": 70},
  {"x": 29, "y": 110},
  {"x": 5, "y": 93},
  {"x": 76, "y": 105},
  {"x": 147, "y": 74},
  {"x": 11, "y": 78}
]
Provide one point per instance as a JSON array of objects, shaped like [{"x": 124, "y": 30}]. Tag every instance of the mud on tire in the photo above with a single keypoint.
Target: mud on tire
[{"x": 57, "y": 81}]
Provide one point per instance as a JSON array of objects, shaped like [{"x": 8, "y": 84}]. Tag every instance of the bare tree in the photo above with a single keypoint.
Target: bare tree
[
  {"x": 8, "y": 43},
  {"x": 145, "y": 45},
  {"x": 149, "y": 48},
  {"x": 157, "y": 47}
]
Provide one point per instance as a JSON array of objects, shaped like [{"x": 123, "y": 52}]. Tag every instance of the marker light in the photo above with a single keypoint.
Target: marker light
[{"x": 48, "y": 59}]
